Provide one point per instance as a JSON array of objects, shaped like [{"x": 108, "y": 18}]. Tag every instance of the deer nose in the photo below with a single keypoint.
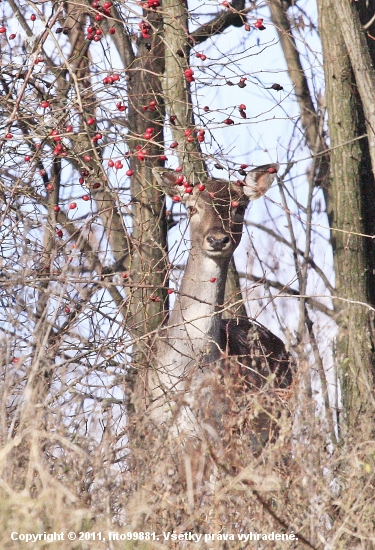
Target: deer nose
[{"x": 218, "y": 243}]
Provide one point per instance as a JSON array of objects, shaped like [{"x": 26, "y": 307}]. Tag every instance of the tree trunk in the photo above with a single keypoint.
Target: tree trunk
[
  {"x": 352, "y": 188},
  {"x": 147, "y": 269}
]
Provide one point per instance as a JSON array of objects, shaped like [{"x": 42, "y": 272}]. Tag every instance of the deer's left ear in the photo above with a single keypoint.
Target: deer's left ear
[{"x": 259, "y": 180}]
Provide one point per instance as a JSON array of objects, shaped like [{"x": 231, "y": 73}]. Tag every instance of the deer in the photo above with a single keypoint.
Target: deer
[{"x": 197, "y": 351}]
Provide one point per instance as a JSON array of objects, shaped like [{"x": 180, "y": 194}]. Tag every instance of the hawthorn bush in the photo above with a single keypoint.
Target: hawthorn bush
[{"x": 93, "y": 96}]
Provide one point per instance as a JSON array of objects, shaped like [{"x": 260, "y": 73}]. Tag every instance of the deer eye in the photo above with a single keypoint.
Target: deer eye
[
  {"x": 191, "y": 210},
  {"x": 240, "y": 210}
]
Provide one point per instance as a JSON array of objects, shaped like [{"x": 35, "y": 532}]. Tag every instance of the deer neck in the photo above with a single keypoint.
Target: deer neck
[
  {"x": 189, "y": 341},
  {"x": 195, "y": 318}
]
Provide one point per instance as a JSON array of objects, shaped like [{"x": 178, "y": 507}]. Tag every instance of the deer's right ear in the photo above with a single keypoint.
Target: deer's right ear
[
  {"x": 170, "y": 182},
  {"x": 166, "y": 178}
]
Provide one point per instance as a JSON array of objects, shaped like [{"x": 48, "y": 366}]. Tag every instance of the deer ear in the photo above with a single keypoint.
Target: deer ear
[
  {"x": 168, "y": 181},
  {"x": 259, "y": 180},
  {"x": 166, "y": 178}
]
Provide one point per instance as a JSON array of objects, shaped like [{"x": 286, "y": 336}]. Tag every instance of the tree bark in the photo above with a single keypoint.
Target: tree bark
[
  {"x": 148, "y": 264},
  {"x": 352, "y": 186}
]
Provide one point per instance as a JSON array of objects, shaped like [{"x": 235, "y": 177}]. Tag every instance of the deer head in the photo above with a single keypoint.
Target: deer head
[{"x": 216, "y": 208}]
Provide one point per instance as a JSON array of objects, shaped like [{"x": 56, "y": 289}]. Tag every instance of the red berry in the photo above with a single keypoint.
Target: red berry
[
  {"x": 115, "y": 77},
  {"x": 69, "y": 128},
  {"x": 271, "y": 170},
  {"x": 118, "y": 164},
  {"x": 107, "y": 5},
  {"x": 188, "y": 189},
  {"x": 234, "y": 204},
  {"x": 125, "y": 275},
  {"x": 9, "y": 136},
  {"x": 27, "y": 158},
  {"x": 173, "y": 145},
  {"x": 259, "y": 24},
  {"x": 243, "y": 166},
  {"x": 90, "y": 121},
  {"x": 44, "y": 104},
  {"x": 129, "y": 172},
  {"x": 242, "y": 107},
  {"x": 111, "y": 163},
  {"x": 81, "y": 181},
  {"x": 179, "y": 169},
  {"x": 228, "y": 121},
  {"x": 179, "y": 180},
  {"x": 176, "y": 198},
  {"x": 201, "y": 187},
  {"x": 170, "y": 291},
  {"x": 247, "y": 27},
  {"x": 72, "y": 205},
  {"x": 87, "y": 158},
  {"x": 163, "y": 157},
  {"x": 213, "y": 279},
  {"x": 56, "y": 208},
  {"x": 49, "y": 187},
  {"x": 2, "y": 29},
  {"x": 59, "y": 233},
  {"x": 33, "y": 17},
  {"x": 12, "y": 37},
  {"x": 97, "y": 185},
  {"x": 120, "y": 106},
  {"x": 85, "y": 198},
  {"x": 98, "y": 17},
  {"x": 188, "y": 72},
  {"x": 67, "y": 309},
  {"x": 112, "y": 30}
]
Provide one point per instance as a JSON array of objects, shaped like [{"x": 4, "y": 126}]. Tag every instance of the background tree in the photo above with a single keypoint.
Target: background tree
[
  {"x": 350, "y": 85},
  {"x": 94, "y": 95}
]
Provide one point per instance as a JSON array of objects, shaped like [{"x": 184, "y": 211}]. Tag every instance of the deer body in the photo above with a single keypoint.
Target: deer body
[{"x": 183, "y": 379}]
